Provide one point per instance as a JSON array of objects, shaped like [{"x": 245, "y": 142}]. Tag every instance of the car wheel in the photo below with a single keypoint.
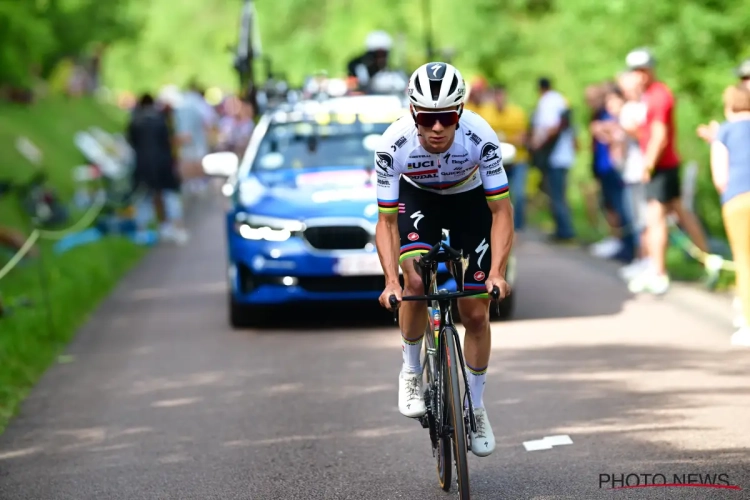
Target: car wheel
[{"x": 243, "y": 315}]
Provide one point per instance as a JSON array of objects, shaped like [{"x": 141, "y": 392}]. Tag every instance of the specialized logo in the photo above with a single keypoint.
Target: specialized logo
[
  {"x": 438, "y": 71},
  {"x": 481, "y": 250},
  {"x": 479, "y": 276},
  {"x": 489, "y": 152},
  {"x": 413, "y": 236},
  {"x": 384, "y": 162},
  {"x": 417, "y": 216}
]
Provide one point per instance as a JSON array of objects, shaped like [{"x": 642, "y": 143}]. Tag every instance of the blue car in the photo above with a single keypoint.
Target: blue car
[{"x": 302, "y": 207}]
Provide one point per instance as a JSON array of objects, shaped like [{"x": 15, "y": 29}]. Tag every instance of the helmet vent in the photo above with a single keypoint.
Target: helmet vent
[
  {"x": 435, "y": 89},
  {"x": 418, "y": 86},
  {"x": 454, "y": 85}
]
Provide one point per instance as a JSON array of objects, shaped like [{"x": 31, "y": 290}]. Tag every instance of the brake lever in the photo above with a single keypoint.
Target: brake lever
[
  {"x": 393, "y": 301},
  {"x": 495, "y": 294}
]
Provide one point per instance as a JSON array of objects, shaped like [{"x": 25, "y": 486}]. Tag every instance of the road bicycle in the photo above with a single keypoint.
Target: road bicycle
[{"x": 447, "y": 419}]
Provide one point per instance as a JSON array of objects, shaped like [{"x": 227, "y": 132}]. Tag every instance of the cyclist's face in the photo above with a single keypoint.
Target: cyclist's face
[{"x": 437, "y": 127}]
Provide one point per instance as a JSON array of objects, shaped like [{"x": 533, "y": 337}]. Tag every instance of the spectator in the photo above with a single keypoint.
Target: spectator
[
  {"x": 191, "y": 133},
  {"x": 553, "y": 148},
  {"x": 155, "y": 170},
  {"x": 236, "y": 127},
  {"x": 730, "y": 169},
  {"x": 708, "y": 132},
  {"x": 511, "y": 124},
  {"x": 632, "y": 113},
  {"x": 608, "y": 139},
  {"x": 661, "y": 174},
  {"x": 601, "y": 162}
]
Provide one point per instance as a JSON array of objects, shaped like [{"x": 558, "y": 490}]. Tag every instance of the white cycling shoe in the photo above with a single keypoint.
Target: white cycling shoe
[
  {"x": 410, "y": 397},
  {"x": 482, "y": 441}
]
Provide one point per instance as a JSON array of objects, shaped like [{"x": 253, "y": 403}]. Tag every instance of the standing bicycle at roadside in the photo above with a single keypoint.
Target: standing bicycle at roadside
[{"x": 443, "y": 151}]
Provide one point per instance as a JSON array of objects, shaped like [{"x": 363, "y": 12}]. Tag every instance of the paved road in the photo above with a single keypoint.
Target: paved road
[{"x": 164, "y": 401}]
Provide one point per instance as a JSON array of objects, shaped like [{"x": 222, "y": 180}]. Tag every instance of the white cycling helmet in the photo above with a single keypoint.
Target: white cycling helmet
[
  {"x": 378, "y": 40},
  {"x": 437, "y": 85}
]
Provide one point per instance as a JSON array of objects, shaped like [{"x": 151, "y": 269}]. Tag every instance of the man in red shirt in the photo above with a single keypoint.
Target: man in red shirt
[{"x": 661, "y": 164}]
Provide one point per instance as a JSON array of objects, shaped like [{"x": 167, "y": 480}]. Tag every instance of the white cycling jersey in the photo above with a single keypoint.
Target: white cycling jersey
[{"x": 474, "y": 158}]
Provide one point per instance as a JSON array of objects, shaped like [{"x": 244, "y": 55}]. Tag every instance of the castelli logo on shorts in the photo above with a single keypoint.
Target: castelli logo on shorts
[
  {"x": 413, "y": 236},
  {"x": 479, "y": 275}
]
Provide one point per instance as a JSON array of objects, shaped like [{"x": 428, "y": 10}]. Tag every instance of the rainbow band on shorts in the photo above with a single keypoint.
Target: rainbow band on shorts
[
  {"x": 469, "y": 287},
  {"x": 497, "y": 194},
  {"x": 413, "y": 250},
  {"x": 387, "y": 206}
]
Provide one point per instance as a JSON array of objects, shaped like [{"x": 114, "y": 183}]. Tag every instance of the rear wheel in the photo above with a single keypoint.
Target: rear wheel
[{"x": 453, "y": 404}]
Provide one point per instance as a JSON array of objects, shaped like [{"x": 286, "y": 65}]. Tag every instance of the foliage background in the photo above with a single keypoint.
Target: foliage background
[{"x": 154, "y": 42}]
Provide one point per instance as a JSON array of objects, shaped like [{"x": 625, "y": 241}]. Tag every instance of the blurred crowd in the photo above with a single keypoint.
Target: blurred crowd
[
  {"x": 170, "y": 134},
  {"x": 637, "y": 166}
]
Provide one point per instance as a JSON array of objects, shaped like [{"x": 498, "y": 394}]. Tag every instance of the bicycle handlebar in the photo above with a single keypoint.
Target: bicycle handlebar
[
  {"x": 452, "y": 253},
  {"x": 495, "y": 294}
]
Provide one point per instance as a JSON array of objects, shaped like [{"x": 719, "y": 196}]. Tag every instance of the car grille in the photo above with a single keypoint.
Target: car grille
[{"x": 337, "y": 237}]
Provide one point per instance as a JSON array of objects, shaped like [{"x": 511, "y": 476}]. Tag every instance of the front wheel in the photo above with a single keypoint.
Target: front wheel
[
  {"x": 442, "y": 445},
  {"x": 454, "y": 410}
]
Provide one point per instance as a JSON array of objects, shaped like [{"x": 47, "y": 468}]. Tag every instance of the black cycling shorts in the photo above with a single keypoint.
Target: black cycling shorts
[
  {"x": 665, "y": 185},
  {"x": 423, "y": 215}
]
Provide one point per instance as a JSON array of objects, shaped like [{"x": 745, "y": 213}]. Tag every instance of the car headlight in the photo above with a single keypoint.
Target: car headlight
[{"x": 259, "y": 227}]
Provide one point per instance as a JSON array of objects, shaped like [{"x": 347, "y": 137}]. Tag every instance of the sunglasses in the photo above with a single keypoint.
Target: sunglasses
[{"x": 429, "y": 118}]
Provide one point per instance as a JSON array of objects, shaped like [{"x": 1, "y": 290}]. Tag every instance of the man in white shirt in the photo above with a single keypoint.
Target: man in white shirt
[
  {"x": 553, "y": 144},
  {"x": 631, "y": 116}
]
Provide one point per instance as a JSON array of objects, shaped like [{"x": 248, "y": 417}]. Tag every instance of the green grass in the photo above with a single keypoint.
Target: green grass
[{"x": 75, "y": 282}]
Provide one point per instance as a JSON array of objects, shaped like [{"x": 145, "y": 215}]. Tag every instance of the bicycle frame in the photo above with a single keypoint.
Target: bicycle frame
[{"x": 427, "y": 267}]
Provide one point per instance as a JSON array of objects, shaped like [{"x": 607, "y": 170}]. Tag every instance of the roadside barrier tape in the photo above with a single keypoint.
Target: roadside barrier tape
[
  {"x": 13, "y": 262},
  {"x": 91, "y": 214}
]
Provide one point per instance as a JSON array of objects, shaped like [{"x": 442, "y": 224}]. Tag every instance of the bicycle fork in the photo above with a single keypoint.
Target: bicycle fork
[{"x": 467, "y": 393}]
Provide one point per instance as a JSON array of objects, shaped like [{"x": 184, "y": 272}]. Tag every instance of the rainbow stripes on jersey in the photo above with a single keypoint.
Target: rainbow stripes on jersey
[
  {"x": 388, "y": 206},
  {"x": 413, "y": 250},
  {"x": 441, "y": 185},
  {"x": 497, "y": 194}
]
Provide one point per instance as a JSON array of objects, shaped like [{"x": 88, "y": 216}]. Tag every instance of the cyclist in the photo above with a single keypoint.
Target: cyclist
[{"x": 441, "y": 168}]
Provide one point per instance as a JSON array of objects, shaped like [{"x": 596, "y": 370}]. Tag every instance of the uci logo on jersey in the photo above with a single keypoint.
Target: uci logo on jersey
[{"x": 420, "y": 164}]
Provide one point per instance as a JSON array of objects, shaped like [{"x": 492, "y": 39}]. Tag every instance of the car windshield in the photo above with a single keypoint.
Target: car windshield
[{"x": 300, "y": 145}]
